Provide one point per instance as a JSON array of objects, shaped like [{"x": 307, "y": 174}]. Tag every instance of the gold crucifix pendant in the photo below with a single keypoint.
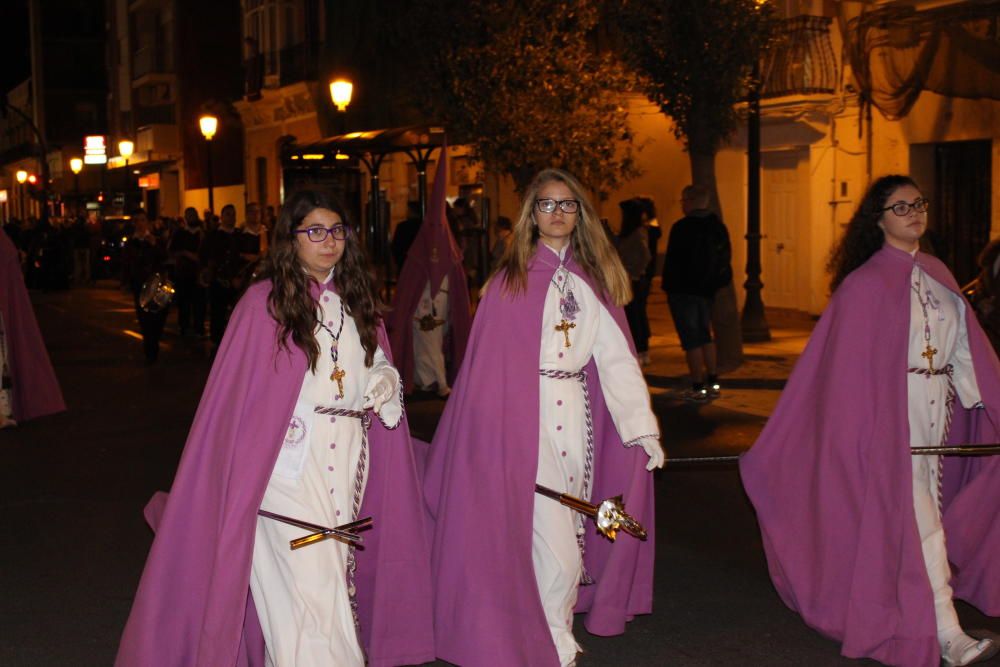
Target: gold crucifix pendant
[
  {"x": 928, "y": 354},
  {"x": 564, "y": 327},
  {"x": 338, "y": 377}
]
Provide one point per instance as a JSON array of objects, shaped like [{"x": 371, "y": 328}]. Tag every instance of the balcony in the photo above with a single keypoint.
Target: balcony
[
  {"x": 802, "y": 61},
  {"x": 274, "y": 69}
]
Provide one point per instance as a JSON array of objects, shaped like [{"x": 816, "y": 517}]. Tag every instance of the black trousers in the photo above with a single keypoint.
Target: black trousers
[
  {"x": 220, "y": 304},
  {"x": 151, "y": 327},
  {"x": 635, "y": 314},
  {"x": 192, "y": 302}
]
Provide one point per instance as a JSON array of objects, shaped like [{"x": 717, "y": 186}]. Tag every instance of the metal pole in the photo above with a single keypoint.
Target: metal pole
[
  {"x": 211, "y": 182},
  {"x": 754, "y": 321}
]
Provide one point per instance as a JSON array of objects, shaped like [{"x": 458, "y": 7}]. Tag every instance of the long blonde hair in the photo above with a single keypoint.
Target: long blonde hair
[{"x": 592, "y": 249}]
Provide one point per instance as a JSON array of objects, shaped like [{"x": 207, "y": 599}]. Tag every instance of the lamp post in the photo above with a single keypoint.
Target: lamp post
[
  {"x": 76, "y": 165},
  {"x": 125, "y": 150},
  {"x": 21, "y": 177},
  {"x": 754, "y": 320},
  {"x": 209, "y": 125}
]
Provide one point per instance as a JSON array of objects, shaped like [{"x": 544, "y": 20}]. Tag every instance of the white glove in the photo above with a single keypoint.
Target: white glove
[
  {"x": 381, "y": 388},
  {"x": 655, "y": 453}
]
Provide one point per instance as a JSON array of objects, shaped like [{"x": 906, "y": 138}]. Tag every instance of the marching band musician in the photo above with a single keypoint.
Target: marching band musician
[
  {"x": 144, "y": 256},
  {"x": 550, "y": 350},
  {"x": 283, "y": 426},
  {"x": 858, "y": 531}
]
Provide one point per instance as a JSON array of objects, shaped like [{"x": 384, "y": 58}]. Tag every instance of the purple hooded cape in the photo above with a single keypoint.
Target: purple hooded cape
[
  {"x": 36, "y": 390},
  {"x": 193, "y": 605},
  {"x": 479, "y": 485},
  {"x": 433, "y": 255},
  {"x": 830, "y": 476}
]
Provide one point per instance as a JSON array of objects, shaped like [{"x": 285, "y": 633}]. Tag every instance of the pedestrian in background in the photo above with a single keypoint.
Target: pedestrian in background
[
  {"x": 986, "y": 299},
  {"x": 851, "y": 517},
  {"x": 549, "y": 344},
  {"x": 501, "y": 242},
  {"x": 695, "y": 267},
  {"x": 633, "y": 249},
  {"x": 283, "y": 426},
  {"x": 222, "y": 267},
  {"x": 190, "y": 295}
]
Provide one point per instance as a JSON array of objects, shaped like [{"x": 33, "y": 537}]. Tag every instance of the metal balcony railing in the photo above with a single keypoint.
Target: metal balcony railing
[{"x": 802, "y": 61}]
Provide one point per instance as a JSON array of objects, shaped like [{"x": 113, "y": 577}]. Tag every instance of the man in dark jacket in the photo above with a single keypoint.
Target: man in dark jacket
[{"x": 697, "y": 263}]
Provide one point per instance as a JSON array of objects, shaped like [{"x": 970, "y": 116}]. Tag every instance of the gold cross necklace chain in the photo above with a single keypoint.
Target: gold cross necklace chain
[
  {"x": 338, "y": 373},
  {"x": 568, "y": 307},
  {"x": 929, "y": 350}
]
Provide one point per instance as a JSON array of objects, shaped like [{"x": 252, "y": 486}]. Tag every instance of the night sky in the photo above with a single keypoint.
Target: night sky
[{"x": 15, "y": 66}]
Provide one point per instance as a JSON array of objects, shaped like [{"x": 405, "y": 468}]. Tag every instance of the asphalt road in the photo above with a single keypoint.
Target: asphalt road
[{"x": 73, "y": 540}]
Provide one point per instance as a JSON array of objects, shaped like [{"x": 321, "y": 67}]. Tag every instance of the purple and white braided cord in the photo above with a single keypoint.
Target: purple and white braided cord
[
  {"x": 588, "y": 464},
  {"x": 359, "y": 482}
]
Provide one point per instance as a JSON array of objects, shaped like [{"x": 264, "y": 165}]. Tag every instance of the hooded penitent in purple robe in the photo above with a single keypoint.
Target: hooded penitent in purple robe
[
  {"x": 830, "y": 476},
  {"x": 479, "y": 485},
  {"x": 193, "y": 605},
  {"x": 35, "y": 389},
  {"x": 433, "y": 256}
]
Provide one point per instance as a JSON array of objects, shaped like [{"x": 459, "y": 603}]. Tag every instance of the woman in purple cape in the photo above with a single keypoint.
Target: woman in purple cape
[
  {"x": 853, "y": 525},
  {"x": 283, "y": 426},
  {"x": 550, "y": 392}
]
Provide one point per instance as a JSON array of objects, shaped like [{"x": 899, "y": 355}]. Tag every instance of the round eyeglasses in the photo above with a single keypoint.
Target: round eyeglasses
[
  {"x": 319, "y": 234},
  {"x": 565, "y": 205},
  {"x": 902, "y": 208}
]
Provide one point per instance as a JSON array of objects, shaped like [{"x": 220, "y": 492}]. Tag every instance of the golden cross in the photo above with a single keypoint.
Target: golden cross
[
  {"x": 338, "y": 377},
  {"x": 928, "y": 354},
  {"x": 564, "y": 327}
]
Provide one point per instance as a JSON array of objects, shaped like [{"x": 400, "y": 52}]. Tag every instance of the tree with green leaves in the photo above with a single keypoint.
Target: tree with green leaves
[
  {"x": 695, "y": 59},
  {"x": 523, "y": 82}
]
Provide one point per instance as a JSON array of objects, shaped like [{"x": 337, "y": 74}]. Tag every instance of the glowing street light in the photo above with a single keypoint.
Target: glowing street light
[
  {"x": 75, "y": 165},
  {"x": 125, "y": 149},
  {"x": 21, "y": 176},
  {"x": 340, "y": 93},
  {"x": 208, "y": 125}
]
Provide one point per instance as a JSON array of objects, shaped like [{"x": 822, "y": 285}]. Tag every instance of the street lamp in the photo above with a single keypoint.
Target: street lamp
[
  {"x": 21, "y": 177},
  {"x": 340, "y": 93},
  {"x": 76, "y": 165},
  {"x": 209, "y": 125}
]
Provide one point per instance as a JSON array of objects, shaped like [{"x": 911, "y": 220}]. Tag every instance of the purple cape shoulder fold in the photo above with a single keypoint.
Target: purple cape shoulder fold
[
  {"x": 479, "y": 484},
  {"x": 433, "y": 255},
  {"x": 36, "y": 390},
  {"x": 193, "y": 605},
  {"x": 830, "y": 476}
]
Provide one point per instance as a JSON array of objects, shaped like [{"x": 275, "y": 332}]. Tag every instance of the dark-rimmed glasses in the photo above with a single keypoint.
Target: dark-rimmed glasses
[
  {"x": 565, "y": 205},
  {"x": 902, "y": 208},
  {"x": 319, "y": 234}
]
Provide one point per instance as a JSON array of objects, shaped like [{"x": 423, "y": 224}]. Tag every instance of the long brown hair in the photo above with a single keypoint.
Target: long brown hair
[
  {"x": 291, "y": 302},
  {"x": 863, "y": 237},
  {"x": 591, "y": 247}
]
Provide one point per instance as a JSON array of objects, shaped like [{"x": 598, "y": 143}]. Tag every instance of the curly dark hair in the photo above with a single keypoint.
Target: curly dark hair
[
  {"x": 291, "y": 302},
  {"x": 863, "y": 237}
]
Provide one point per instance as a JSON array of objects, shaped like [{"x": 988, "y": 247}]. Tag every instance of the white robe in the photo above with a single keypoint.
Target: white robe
[
  {"x": 301, "y": 596},
  {"x": 928, "y": 417},
  {"x": 428, "y": 346},
  {"x": 562, "y": 438}
]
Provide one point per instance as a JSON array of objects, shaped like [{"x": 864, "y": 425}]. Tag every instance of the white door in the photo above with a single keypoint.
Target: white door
[{"x": 780, "y": 220}]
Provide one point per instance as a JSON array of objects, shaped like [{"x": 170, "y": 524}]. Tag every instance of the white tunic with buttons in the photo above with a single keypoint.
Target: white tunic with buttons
[
  {"x": 301, "y": 596},
  {"x": 937, "y": 319},
  {"x": 563, "y": 434}
]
